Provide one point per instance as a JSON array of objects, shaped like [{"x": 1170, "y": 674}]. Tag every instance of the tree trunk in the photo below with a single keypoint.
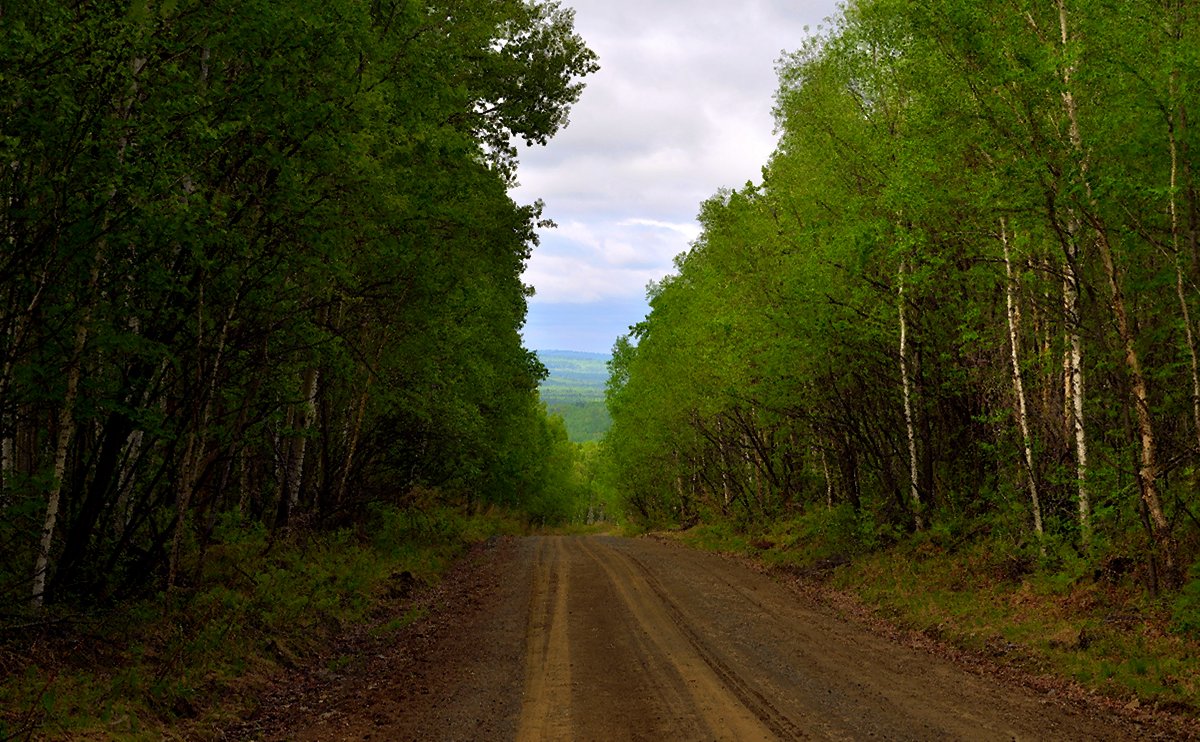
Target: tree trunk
[
  {"x": 67, "y": 413},
  {"x": 726, "y": 492},
  {"x": 308, "y": 413},
  {"x": 914, "y": 490},
  {"x": 1071, "y": 306},
  {"x": 1147, "y": 472},
  {"x": 850, "y": 479},
  {"x": 1074, "y": 391},
  {"x": 352, "y": 443},
  {"x": 1019, "y": 388},
  {"x": 1173, "y": 119},
  {"x": 828, "y": 480},
  {"x": 66, "y": 430},
  {"x": 8, "y": 421}
]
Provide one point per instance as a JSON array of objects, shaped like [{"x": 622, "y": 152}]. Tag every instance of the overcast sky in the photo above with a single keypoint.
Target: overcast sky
[{"x": 680, "y": 108}]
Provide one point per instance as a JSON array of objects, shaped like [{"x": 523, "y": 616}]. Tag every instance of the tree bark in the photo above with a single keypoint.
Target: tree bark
[
  {"x": 66, "y": 419},
  {"x": 352, "y": 443},
  {"x": 8, "y": 421},
  {"x": 308, "y": 413},
  {"x": 828, "y": 480},
  {"x": 195, "y": 452},
  {"x": 906, "y": 384},
  {"x": 1073, "y": 355},
  {"x": 1147, "y": 473},
  {"x": 1174, "y": 117},
  {"x": 66, "y": 430},
  {"x": 1019, "y": 387}
]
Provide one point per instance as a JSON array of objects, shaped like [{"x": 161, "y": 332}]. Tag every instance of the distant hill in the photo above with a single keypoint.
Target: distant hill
[
  {"x": 574, "y": 376},
  {"x": 573, "y": 354},
  {"x": 575, "y": 390}
]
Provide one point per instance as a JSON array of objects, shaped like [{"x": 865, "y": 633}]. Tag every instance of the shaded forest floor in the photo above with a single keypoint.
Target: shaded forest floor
[
  {"x": 1060, "y": 628},
  {"x": 253, "y": 613}
]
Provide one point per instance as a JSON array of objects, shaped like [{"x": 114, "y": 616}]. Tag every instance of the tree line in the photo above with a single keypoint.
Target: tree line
[
  {"x": 965, "y": 290},
  {"x": 260, "y": 263}
]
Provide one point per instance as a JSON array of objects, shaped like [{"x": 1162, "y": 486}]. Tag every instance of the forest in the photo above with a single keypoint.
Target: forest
[
  {"x": 574, "y": 390},
  {"x": 261, "y": 271},
  {"x": 261, "y": 369},
  {"x": 261, "y": 301},
  {"x": 962, "y": 300}
]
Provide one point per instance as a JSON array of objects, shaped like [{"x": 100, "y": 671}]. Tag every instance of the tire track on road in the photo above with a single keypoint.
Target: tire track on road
[
  {"x": 546, "y": 707},
  {"x": 731, "y": 709},
  {"x": 751, "y": 697}
]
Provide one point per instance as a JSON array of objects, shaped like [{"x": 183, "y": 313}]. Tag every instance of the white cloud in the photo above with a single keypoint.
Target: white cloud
[
  {"x": 582, "y": 263},
  {"x": 680, "y": 108},
  {"x": 690, "y": 230}
]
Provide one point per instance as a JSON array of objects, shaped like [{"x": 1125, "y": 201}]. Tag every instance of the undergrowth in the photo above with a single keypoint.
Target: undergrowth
[
  {"x": 186, "y": 663},
  {"x": 1089, "y": 618}
]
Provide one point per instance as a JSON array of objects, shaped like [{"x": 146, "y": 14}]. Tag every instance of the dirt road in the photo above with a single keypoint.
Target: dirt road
[{"x": 599, "y": 638}]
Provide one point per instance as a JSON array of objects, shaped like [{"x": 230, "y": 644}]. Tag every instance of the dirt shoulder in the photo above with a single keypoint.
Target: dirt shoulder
[{"x": 1013, "y": 664}]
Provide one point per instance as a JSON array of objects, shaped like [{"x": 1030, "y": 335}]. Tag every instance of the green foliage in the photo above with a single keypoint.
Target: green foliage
[
  {"x": 839, "y": 341},
  {"x": 933, "y": 183},
  {"x": 288, "y": 289},
  {"x": 586, "y": 422},
  {"x": 1186, "y": 612},
  {"x": 721, "y": 537},
  {"x": 574, "y": 390}
]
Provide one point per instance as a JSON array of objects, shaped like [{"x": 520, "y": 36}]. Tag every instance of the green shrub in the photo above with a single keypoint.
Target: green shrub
[{"x": 1185, "y": 614}]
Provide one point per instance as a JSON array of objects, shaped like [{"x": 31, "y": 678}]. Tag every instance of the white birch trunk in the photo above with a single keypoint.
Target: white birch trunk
[
  {"x": 1071, "y": 301},
  {"x": 16, "y": 337},
  {"x": 725, "y": 490},
  {"x": 1191, "y": 344},
  {"x": 1070, "y": 312},
  {"x": 1019, "y": 387},
  {"x": 66, "y": 430},
  {"x": 1148, "y": 470},
  {"x": 194, "y": 454},
  {"x": 915, "y": 490},
  {"x": 352, "y": 443},
  {"x": 67, "y": 413},
  {"x": 1179, "y": 289},
  {"x": 307, "y": 416}
]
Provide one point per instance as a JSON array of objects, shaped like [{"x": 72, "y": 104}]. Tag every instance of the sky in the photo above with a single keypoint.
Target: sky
[{"x": 680, "y": 108}]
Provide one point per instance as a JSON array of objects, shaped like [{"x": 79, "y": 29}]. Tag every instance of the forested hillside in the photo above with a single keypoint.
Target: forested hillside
[
  {"x": 574, "y": 390},
  {"x": 261, "y": 270},
  {"x": 962, "y": 300}
]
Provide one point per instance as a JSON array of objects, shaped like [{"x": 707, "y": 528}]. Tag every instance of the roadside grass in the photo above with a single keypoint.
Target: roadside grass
[
  {"x": 183, "y": 665},
  {"x": 1056, "y": 614},
  {"x": 1108, "y": 635}
]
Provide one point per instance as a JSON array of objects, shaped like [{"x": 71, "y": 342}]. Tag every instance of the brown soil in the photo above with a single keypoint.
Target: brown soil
[{"x": 599, "y": 638}]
